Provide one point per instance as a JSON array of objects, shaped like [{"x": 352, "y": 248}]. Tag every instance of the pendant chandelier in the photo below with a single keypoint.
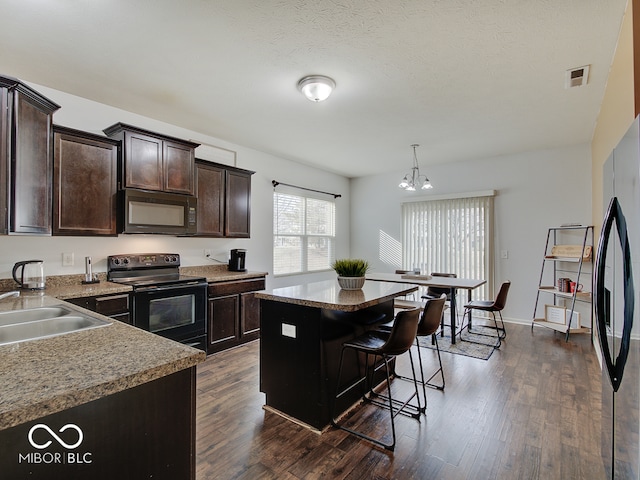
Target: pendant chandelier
[{"x": 414, "y": 180}]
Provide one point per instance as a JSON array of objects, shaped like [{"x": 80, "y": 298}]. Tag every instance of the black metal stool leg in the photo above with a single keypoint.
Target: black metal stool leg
[
  {"x": 422, "y": 381},
  {"x": 386, "y": 347},
  {"x": 389, "y": 406},
  {"x": 440, "y": 370},
  {"x": 414, "y": 410}
]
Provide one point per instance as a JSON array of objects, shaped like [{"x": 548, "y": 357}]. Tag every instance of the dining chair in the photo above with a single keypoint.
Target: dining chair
[
  {"x": 385, "y": 346},
  {"x": 493, "y": 306},
  {"x": 406, "y": 301},
  {"x": 435, "y": 292}
]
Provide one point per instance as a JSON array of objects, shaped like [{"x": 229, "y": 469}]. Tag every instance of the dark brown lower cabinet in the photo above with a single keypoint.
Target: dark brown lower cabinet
[
  {"x": 250, "y": 318},
  {"x": 146, "y": 431},
  {"x": 223, "y": 323},
  {"x": 113, "y": 306},
  {"x": 233, "y": 314}
]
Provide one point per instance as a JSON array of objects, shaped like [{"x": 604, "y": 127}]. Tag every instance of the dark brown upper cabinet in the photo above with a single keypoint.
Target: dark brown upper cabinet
[
  {"x": 224, "y": 200},
  {"x": 238, "y": 203},
  {"x": 85, "y": 183},
  {"x": 153, "y": 161},
  {"x": 210, "y": 192},
  {"x": 26, "y": 120}
]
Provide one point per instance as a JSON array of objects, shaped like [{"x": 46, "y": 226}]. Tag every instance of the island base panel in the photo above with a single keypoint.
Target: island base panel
[
  {"x": 300, "y": 351},
  {"x": 147, "y": 431}
]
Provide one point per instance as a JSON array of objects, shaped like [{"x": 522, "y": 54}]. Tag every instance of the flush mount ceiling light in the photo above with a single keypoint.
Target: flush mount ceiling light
[
  {"x": 316, "y": 87},
  {"x": 414, "y": 179}
]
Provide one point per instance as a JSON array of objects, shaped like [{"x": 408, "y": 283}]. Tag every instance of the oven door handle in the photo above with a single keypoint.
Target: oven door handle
[{"x": 170, "y": 287}]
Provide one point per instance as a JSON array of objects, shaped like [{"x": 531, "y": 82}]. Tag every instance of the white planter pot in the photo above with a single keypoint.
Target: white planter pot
[{"x": 351, "y": 283}]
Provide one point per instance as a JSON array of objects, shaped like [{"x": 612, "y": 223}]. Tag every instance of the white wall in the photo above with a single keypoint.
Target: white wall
[
  {"x": 535, "y": 191},
  {"x": 93, "y": 117}
]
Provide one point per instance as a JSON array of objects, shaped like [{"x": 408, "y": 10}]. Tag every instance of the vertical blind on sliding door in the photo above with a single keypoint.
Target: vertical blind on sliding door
[{"x": 450, "y": 236}]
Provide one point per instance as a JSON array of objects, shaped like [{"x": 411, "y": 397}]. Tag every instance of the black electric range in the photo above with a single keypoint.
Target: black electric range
[{"x": 164, "y": 301}]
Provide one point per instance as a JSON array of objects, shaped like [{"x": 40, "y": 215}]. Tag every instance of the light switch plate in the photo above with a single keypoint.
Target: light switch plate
[
  {"x": 67, "y": 259},
  {"x": 288, "y": 330}
]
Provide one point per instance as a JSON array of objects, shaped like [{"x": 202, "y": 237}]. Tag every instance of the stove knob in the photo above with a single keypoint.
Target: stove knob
[
  {"x": 115, "y": 261},
  {"x": 125, "y": 261}
]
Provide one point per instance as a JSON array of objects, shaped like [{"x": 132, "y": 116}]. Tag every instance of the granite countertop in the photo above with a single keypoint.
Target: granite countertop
[
  {"x": 70, "y": 286},
  {"x": 42, "y": 377},
  {"x": 219, "y": 273},
  {"x": 328, "y": 294}
]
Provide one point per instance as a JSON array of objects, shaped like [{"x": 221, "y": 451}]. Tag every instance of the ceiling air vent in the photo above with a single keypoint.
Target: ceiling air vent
[{"x": 576, "y": 77}]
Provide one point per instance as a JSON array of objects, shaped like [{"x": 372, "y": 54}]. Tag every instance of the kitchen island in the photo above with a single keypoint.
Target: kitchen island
[
  {"x": 110, "y": 402},
  {"x": 303, "y": 328}
]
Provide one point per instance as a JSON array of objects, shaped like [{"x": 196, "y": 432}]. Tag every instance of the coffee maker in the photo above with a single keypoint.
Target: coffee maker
[{"x": 236, "y": 262}]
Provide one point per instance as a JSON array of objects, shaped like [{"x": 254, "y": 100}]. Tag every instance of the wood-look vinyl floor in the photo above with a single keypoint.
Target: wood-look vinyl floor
[{"x": 532, "y": 411}]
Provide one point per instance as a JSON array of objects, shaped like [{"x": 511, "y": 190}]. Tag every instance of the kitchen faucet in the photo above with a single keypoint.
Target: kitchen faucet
[{"x": 14, "y": 293}]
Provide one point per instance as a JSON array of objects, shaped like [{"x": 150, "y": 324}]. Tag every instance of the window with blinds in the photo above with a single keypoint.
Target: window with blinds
[
  {"x": 450, "y": 236},
  {"x": 303, "y": 234}
]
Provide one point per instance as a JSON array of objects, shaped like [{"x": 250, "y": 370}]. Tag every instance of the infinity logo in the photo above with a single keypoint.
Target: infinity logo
[{"x": 60, "y": 441}]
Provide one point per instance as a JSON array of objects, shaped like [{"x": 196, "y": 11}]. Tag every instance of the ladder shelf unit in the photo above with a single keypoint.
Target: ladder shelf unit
[{"x": 569, "y": 260}]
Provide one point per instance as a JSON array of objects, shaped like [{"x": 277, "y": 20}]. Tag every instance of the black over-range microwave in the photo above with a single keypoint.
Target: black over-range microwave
[{"x": 158, "y": 212}]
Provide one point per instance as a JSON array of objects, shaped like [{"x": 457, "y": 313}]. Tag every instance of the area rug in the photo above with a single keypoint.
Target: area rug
[{"x": 468, "y": 349}]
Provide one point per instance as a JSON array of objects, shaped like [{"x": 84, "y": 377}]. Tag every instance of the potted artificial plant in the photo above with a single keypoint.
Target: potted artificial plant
[{"x": 350, "y": 272}]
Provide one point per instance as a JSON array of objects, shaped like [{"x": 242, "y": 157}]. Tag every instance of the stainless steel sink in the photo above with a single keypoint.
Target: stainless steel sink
[
  {"x": 44, "y": 322},
  {"x": 29, "y": 315}
]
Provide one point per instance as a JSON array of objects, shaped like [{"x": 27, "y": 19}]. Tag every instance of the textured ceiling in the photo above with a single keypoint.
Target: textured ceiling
[{"x": 465, "y": 79}]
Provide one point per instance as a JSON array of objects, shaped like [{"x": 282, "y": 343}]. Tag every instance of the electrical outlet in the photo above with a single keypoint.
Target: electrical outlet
[
  {"x": 67, "y": 259},
  {"x": 288, "y": 330},
  {"x": 207, "y": 252}
]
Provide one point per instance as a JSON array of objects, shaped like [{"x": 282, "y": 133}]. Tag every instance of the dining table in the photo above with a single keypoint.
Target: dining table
[{"x": 452, "y": 283}]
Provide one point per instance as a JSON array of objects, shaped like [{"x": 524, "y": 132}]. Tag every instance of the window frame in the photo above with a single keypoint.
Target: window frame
[{"x": 305, "y": 238}]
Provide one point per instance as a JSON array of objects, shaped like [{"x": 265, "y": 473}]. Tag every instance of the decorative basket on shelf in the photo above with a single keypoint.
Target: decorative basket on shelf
[{"x": 351, "y": 273}]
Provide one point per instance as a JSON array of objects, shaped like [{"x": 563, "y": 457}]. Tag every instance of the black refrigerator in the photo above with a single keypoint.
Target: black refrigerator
[{"x": 617, "y": 307}]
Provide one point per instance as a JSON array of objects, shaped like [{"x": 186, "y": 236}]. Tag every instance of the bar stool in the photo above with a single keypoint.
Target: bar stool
[
  {"x": 386, "y": 346},
  {"x": 428, "y": 326}
]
